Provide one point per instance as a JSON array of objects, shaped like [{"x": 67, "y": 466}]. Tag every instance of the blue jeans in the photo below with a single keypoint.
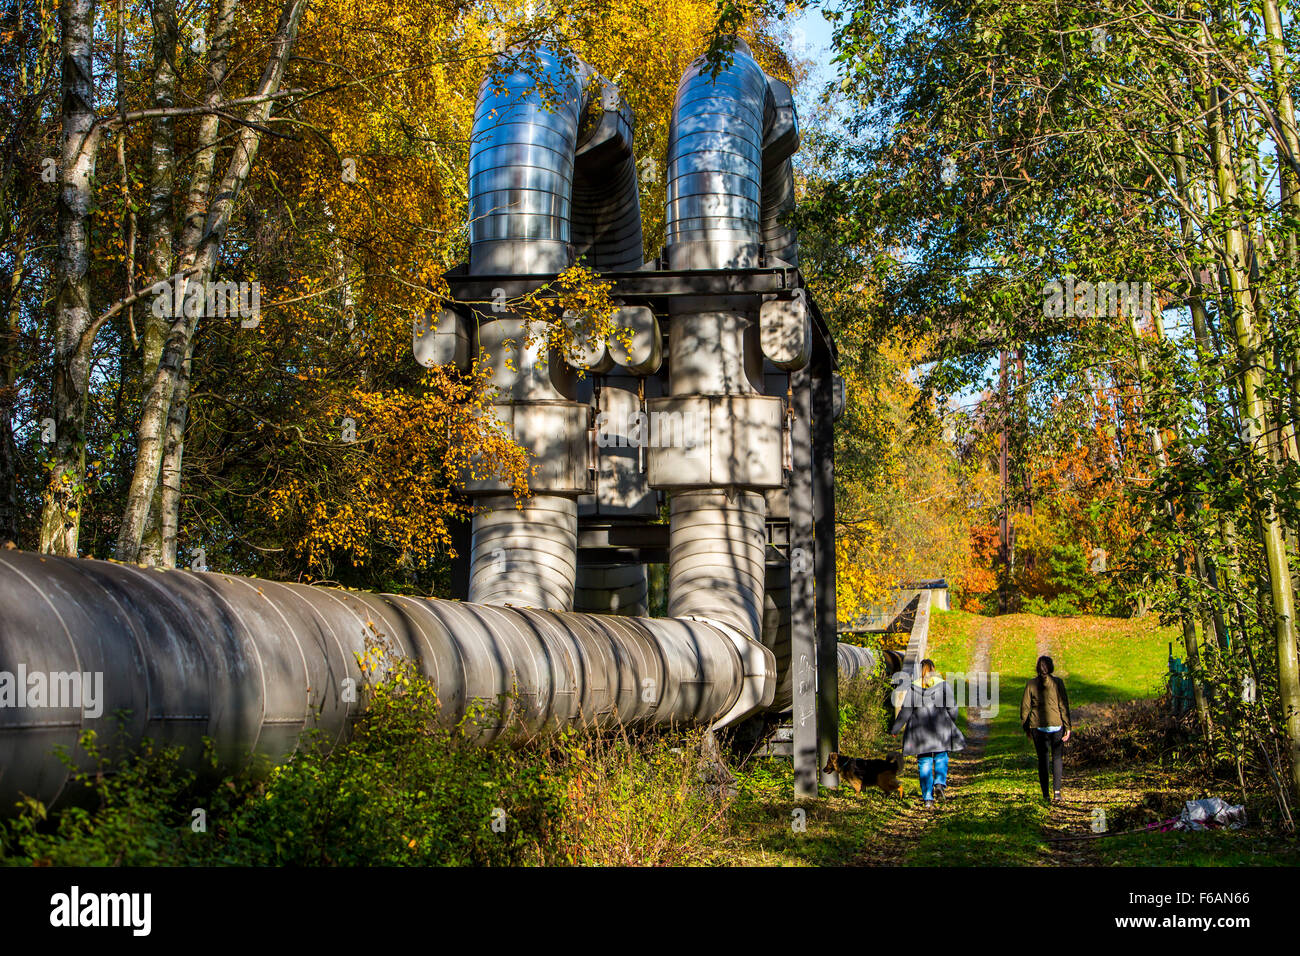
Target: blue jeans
[{"x": 933, "y": 769}]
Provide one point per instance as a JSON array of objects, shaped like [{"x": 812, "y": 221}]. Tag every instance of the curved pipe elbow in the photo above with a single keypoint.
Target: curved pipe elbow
[
  {"x": 729, "y": 176},
  {"x": 552, "y": 178}
]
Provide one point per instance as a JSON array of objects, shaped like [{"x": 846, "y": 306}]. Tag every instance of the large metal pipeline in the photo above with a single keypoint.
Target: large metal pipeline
[
  {"x": 852, "y": 659},
  {"x": 732, "y": 135},
  {"x": 252, "y": 664},
  {"x": 178, "y": 655}
]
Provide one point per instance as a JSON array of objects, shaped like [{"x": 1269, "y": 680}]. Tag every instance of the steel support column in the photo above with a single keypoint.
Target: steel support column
[
  {"x": 803, "y": 610},
  {"x": 823, "y": 478}
]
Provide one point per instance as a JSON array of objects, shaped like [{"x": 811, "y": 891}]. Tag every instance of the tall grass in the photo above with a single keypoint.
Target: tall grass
[
  {"x": 864, "y": 722},
  {"x": 649, "y": 800}
]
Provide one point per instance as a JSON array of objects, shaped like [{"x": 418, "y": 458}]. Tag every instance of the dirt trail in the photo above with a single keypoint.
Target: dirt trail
[
  {"x": 977, "y": 720},
  {"x": 891, "y": 844},
  {"x": 1073, "y": 816},
  {"x": 963, "y": 766}
]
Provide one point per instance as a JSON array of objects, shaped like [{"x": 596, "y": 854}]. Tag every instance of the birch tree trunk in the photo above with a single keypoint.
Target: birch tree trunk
[
  {"x": 1255, "y": 420},
  {"x": 162, "y": 173},
  {"x": 204, "y": 258},
  {"x": 160, "y": 232},
  {"x": 74, "y": 324},
  {"x": 199, "y": 247}
]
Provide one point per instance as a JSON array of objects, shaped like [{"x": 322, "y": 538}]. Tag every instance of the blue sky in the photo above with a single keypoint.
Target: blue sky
[{"x": 810, "y": 36}]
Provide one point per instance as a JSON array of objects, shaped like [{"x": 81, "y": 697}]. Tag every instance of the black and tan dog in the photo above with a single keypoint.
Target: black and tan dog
[{"x": 860, "y": 772}]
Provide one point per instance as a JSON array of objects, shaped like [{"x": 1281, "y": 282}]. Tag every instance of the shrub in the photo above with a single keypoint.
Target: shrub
[
  {"x": 864, "y": 715},
  {"x": 1138, "y": 731},
  {"x": 653, "y": 800},
  {"x": 133, "y": 814},
  {"x": 404, "y": 790}
]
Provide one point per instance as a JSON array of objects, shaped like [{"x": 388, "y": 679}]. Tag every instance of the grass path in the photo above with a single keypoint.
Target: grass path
[
  {"x": 998, "y": 815},
  {"x": 995, "y": 813},
  {"x": 1072, "y": 817},
  {"x": 993, "y": 816}
]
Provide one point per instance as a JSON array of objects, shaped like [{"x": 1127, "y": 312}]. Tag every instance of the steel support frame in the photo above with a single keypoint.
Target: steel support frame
[
  {"x": 823, "y": 478},
  {"x": 803, "y": 603}
]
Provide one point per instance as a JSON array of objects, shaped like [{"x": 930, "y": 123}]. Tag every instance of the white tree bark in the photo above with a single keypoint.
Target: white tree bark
[
  {"x": 199, "y": 248},
  {"x": 74, "y": 323}
]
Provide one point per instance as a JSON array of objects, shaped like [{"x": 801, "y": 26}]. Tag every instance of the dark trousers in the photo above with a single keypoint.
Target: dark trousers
[{"x": 1042, "y": 742}]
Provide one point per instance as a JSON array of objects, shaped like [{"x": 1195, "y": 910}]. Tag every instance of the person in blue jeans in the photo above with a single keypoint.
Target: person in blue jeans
[{"x": 928, "y": 722}]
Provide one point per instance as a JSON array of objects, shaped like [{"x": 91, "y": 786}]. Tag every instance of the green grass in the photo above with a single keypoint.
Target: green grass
[
  {"x": 834, "y": 827},
  {"x": 996, "y": 816},
  {"x": 952, "y": 637},
  {"x": 994, "y": 819},
  {"x": 1240, "y": 848},
  {"x": 1109, "y": 659}
]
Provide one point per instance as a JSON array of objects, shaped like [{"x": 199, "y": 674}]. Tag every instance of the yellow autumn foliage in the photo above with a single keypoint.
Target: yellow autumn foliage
[
  {"x": 373, "y": 185},
  {"x": 907, "y": 515}
]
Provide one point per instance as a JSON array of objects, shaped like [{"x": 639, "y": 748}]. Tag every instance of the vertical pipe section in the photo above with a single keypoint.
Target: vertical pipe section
[
  {"x": 525, "y": 555},
  {"x": 716, "y": 544},
  {"x": 717, "y": 532},
  {"x": 613, "y": 589},
  {"x": 714, "y": 191},
  {"x": 731, "y": 134},
  {"x": 549, "y": 180}
]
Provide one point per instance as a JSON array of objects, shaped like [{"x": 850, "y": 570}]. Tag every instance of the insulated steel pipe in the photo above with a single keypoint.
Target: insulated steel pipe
[
  {"x": 551, "y": 163},
  {"x": 726, "y": 131},
  {"x": 524, "y": 554},
  {"x": 853, "y": 659},
  {"x": 613, "y": 589},
  {"x": 715, "y": 164},
  {"x": 780, "y": 142},
  {"x": 552, "y": 177},
  {"x": 716, "y": 559},
  {"x": 178, "y": 655}
]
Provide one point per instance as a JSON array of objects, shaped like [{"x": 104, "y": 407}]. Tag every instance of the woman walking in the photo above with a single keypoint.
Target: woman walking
[
  {"x": 1045, "y": 715},
  {"x": 928, "y": 721}
]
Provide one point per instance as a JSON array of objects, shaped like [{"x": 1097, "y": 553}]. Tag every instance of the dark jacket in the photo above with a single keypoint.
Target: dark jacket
[
  {"x": 1049, "y": 707},
  {"x": 928, "y": 719}
]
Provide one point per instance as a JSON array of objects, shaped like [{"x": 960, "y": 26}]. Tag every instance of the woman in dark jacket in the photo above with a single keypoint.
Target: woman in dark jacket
[
  {"x": 1045, "y": 716},
  {"x": 928, "y": 720}
]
